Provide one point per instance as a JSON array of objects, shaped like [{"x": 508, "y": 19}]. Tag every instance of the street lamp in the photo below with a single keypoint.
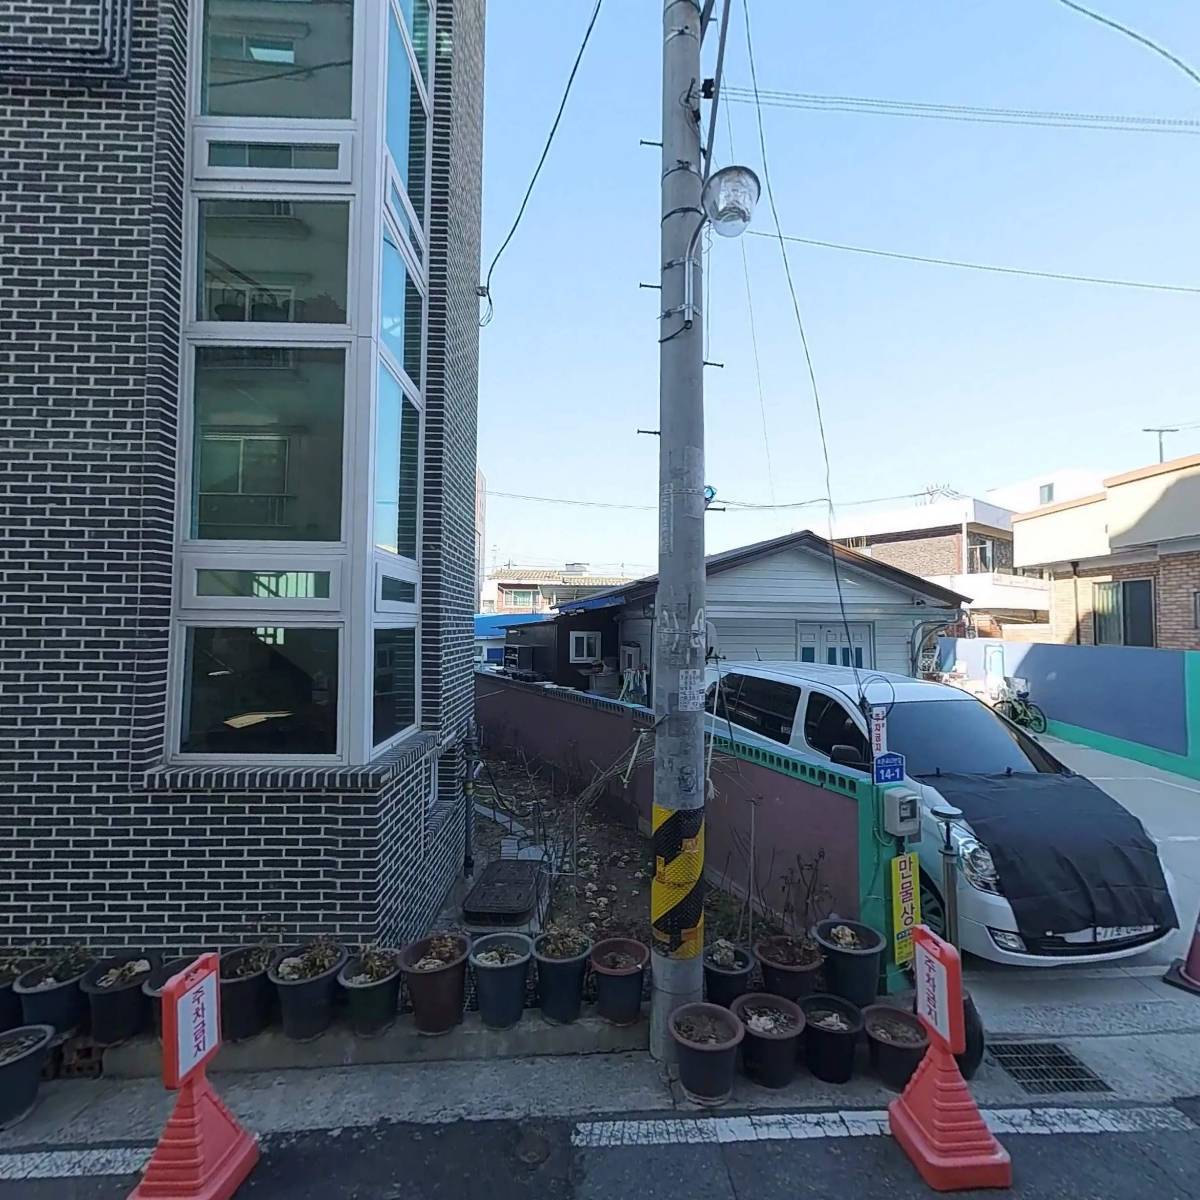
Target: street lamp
[{"x": 728, "y": 199}]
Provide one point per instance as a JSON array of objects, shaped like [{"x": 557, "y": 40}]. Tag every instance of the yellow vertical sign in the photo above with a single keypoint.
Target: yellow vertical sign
[{"x": 906, "y": 905}]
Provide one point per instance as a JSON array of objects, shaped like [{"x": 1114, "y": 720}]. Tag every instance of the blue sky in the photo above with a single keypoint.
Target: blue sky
[{"x": 927, "y": 374}]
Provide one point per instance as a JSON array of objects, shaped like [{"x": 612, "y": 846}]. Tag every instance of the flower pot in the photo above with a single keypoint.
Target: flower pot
[
  {"x": 437, "y": 994},
  {"x": 152, "y": 989},
  {"x": 619, "y": 967},
  {"x": 306, "y": 1005},
  {"x": 370, "y": 1007},
  {"x": 500, "y": 987},
  {"x": 976, "y": 1037},
  {"x": 560, "y": 983},
  {"x": 769, "y": 1056},
  {"x": 21, "y": 1073},
  {"x": 897, "y": 1042},
  {"x": 782, "y": 977},
  {"x": 120, "y": 1010},
  {"x": 723, "y": 985},
  {"x": 851, "y": 972},
  {"x": 830, "y": 1052},
  {"x": 62, "y": 1004},
  {"x": 247, "y": 1001},
  {"x": 706, "y": 1039},
  {"x": 10, "y": 1002}
]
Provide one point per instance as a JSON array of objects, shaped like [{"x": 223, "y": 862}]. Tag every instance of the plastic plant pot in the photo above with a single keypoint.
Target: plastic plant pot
[
  {"x": 121, "y": 1010},
  {"x": 371, "y": 1006},
  {"x": 560, "y": 982},
  {"x": 10, "y": 1002},
  {"x": 723, "y": 985},
  {"x": 247, "y": 997},
  {"x": 976, "y": 1037},
  {"x": 782, "y": 977},
  {"x": 897, "y": 1042},
  {"x": 706, "y": 1039},
  {"x": 306, "y": 1005},
  {"x": 619, "y": 967},
  {"x": 61, "y": 1005},
  {"x": 770, "y": 1053},
  {"x": 830, "y": 1050},
  {"x": 500, "y": 986},
  {"x": 438, "y": 993},
  {"x": 22, "y": 1052},
  {"x": 851, "y": 971},
  {"x": 152, "y": 989}
]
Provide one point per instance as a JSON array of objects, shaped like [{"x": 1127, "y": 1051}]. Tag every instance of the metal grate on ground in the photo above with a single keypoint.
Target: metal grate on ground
[{"x": 1046, "y": 1068}]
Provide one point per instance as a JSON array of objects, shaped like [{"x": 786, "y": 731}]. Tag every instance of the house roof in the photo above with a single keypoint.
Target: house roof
[
  {"x": 538, "y": 575},
  {"x": 494, "y": 624},
  {"x": 804, "y": 540}
]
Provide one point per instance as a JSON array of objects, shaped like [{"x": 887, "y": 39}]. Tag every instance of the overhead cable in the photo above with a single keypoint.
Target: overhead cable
[{"x": 1137, "y": 37}]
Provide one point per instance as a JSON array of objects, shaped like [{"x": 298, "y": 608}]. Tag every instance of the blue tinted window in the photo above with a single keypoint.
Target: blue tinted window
[
  {"x": 397, "y": 461},
  {"x": 406, "y": 121},
  {"x": 400, "y": 311}
]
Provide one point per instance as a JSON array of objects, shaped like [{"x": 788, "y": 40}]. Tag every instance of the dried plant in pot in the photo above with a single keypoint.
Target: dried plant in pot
[
  {"x": 371, "y": 981},
  {"x": 561, "y": 954},
  {"x": 831, "y": 1028},
  {"x": 789, "y": 965},
  {"x": 119, "y": 1008},
  {"x": 619, "y": 969},
  {"x": 22, "y": 1052},
  {"x": 50, "y": 994},
  {"x": 501, "y": 965},
  {"x": 152, "y": 989},
  {"x": 247, "y": 995},
  {"x": 771, "y": 1048},
  {"x": 435, "y": 969},
  {"x": 727, "y": 971},
  {"x": 897, "y": 1041},
  {"x": 852, "y": 958},
  {"x": 706, "y": 1039},
  {"x": 305, "y": 978},
  {"x": 14, "y": 963}
]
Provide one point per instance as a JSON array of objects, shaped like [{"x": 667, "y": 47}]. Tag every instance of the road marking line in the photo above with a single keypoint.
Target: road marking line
[
  {"x": 1183, "y": 787},
  {"x": 74, "y": 1164},
  {"x": 863, "y": 1123}
]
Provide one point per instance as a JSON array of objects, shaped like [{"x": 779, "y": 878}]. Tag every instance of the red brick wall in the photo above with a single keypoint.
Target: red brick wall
[{"x": 935, "y": 552}]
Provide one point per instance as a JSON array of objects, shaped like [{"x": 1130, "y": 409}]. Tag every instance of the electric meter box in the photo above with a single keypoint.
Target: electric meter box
[{"x": 901, "y": 812}]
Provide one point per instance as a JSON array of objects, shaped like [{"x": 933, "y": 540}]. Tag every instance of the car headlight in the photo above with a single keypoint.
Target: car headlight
[{"x": 975, "y": 860}]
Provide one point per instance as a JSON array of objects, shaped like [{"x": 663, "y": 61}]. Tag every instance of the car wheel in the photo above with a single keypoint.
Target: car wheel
[{"x": 933, "y": 911}]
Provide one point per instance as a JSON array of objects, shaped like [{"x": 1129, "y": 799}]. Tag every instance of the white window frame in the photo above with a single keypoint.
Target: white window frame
[
  {"x": 406, "y": 571},
  {"x": 416, "y": 273},
  {"x": 204, "y": 172},
  {"x": 391, "y": 171},
  {"x": 242, "y": 618},
  {"x": 578, "y": 657},
  {"x": 190, "y": 599},
  {"x": 398, "y": 564},
  {"x": 380, "y": 624}
]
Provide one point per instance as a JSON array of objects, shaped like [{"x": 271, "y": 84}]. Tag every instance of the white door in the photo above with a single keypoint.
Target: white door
[{"x": 829, "y": 645}]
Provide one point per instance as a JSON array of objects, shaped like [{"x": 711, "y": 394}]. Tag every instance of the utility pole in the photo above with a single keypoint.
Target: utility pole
[
  {"x": 1160, "y": 430},
  {"x": 677, "y": 891}
]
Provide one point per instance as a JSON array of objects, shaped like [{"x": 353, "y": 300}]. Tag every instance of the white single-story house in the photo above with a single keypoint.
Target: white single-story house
[{"x": 772, "y": 600}]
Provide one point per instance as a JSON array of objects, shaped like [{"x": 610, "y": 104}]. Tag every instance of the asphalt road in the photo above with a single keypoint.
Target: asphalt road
[{"x": 505, "y": 1160}]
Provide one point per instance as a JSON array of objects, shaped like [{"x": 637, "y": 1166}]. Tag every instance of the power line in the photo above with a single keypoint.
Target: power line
[
  {"x": 973, "y": 266},
  {"x": 579, "y": 503},
  {"x": 976, "y": 114},
  {"x": 812, "y": 374},
  {"x": 733, "y": 505},
  {"x": 1137, "y": 37},
  {"x": 487, "y": 283}
]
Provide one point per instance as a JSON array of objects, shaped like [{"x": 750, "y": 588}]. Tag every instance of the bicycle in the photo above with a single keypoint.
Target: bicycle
[{"x": 1020, "y": 710}]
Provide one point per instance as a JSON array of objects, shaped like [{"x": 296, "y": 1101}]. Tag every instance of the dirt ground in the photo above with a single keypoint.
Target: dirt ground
[{"x": 604, "y": 886}]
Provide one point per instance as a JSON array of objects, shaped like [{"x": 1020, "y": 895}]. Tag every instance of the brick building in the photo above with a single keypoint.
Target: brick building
[
  {"x": 539, "y": 590},
  {"x": 1124, "y": 563},
  {"x": 241, "y": 245}
]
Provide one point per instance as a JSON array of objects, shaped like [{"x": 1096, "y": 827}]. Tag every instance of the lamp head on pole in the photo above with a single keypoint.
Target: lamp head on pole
[{"x": 729, "y": 197}]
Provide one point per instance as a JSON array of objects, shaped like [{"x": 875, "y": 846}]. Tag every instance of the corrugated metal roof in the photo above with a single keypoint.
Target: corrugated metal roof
[{"x": 537, "y": 575}]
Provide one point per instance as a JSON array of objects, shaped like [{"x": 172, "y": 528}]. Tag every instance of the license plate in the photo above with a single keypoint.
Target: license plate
[{"x": 1116, "y": 933}]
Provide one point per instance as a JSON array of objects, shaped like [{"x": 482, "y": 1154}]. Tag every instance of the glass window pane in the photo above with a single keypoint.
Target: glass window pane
[
  {"x": 416, "y": 17},
  {"x": 268, "y": 443},
  {"x": 395, "y": 691},
  {"x": 283, "y": 156},
  {"x": 407, "y": 125},
  {"x": 260, "y": 691},
  {"x": 1106, "y": 601},
  {"x": 272, "y": 585},
  {"x": 286, "y": 58},
  {"x": 397, "y": 590},
  {"x": 273, "y": 260},
  {"x": 400, "y": 311},
  {"x": 397, "y": 461}
]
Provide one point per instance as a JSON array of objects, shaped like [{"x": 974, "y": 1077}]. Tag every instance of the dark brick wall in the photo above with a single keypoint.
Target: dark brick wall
[{"x": 929, "y": 552}]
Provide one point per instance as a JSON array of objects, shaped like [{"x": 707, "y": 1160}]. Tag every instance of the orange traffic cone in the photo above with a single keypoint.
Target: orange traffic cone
[
  {"x": 203, "y": 1154},
  {"x": 1186, "y": 973},
  {"x": 939, "y": 1126}
]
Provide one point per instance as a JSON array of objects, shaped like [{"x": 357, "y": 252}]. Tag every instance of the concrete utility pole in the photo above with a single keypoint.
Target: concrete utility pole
[
  {"x": 1160, "y": 430},
  {"x": 677, "y": 896}
]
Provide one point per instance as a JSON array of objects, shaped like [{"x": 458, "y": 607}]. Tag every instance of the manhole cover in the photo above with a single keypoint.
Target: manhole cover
[
  {"x": 1042, "y": 1068},
  {"x": 505, "y": 890}
]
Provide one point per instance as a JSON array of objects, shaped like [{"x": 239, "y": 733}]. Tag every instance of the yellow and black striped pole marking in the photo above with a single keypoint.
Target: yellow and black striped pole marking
[{"x": 677, "y": 890}]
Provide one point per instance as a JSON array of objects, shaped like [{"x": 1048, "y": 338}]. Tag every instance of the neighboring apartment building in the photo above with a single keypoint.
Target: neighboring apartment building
[
  {"x": 1124, "y": 563},
  {"x": 536, "y": 590},
  {"x": 1052, "y": 487},
  {"x": 241, "y": 248},
  {"x": 964, "y": 545}
]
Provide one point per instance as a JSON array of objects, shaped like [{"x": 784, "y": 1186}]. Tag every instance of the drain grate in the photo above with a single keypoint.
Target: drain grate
[{"x": 1043, "y": 1068}]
